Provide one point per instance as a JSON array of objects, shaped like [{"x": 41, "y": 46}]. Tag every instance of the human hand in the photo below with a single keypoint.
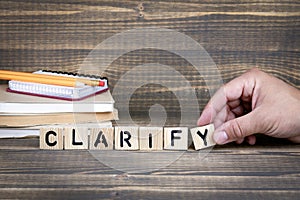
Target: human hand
[{"x": 253, "y": 103}]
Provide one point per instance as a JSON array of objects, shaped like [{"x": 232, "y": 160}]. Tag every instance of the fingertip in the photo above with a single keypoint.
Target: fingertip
[
  {"x": 295, "y": 139},
  {"x": 205, "y": 117},
  {"x": 202, "y": 121},
  {"x": 240, "y": 141},
  {"x": 251, "y": 139}
]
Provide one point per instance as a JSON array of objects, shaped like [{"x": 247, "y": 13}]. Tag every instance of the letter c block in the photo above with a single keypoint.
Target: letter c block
[{"x": 51, "y": 138}]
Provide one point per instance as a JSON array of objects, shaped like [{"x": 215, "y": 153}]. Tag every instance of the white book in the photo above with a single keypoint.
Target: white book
[{"x": 20, "y": 103}]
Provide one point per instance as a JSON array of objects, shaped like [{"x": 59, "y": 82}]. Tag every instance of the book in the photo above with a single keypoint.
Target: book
[
  {"x": 22, "y": 104},
  {"x": 15, "y": 132},
  {"x": 14, "y": 120},
  {"x": 55, "y": 91}
]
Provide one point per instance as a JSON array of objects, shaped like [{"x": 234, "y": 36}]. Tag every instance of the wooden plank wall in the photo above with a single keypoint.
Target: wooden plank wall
[{"x": 238, "y": 35}]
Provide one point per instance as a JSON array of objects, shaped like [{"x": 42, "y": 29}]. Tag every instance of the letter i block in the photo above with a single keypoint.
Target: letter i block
[
  {"x": 176, "y": 138},
  {"x": 76, "y": 138},
  {"x": 102, "y": 139},
  {"x": 151, "y": 138},
  {"x": 126, "y": 138},
  {"x": 51, "y": 138},
  {"x": 202, "y": 136}
]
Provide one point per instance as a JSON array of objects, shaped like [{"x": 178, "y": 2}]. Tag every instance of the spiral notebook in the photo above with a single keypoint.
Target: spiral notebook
[{"x": 59, "y": 92}]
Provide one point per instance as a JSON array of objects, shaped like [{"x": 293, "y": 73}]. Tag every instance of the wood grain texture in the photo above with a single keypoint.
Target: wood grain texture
[
  {"x": 238, "y": 36},
  {"x": 270, "y": 170}
]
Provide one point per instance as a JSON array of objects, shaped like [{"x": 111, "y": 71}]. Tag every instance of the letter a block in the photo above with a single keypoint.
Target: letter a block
[
  {"x": 126, "y": 138},
  {"x": 76, "y": 138},
  {"x": 102, "y": 139},
  {"x": 176, "y": 138},
  {"x": 202, "y": 136},
  {"x": 51, "y": 138},
  {"x": 151, "y": 138}
]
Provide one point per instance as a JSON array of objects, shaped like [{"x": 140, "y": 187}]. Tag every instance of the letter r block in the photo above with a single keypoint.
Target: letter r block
[
  {"x": 126, "y": 138},
  {"x": 202, "y": 136},
  {"x": 176, "y": 138},
  {"x": 51, "y": 138}
]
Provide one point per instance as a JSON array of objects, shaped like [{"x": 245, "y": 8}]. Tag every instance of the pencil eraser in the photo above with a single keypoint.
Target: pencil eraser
[{"x": 101, "y": 83}]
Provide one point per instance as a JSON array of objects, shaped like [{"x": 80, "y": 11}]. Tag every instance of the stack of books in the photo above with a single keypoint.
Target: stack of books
[{"x": 26, "y": 106}]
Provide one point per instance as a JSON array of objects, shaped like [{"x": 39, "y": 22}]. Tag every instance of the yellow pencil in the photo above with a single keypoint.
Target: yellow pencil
[{"x": 48, "y": 79}]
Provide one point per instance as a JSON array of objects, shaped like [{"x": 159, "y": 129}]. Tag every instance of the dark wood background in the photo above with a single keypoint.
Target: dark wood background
[{"x": 238, "y": 35}]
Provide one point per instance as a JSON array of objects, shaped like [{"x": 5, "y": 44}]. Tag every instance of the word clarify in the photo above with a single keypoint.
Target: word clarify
[{"x": 126, "y": 138}]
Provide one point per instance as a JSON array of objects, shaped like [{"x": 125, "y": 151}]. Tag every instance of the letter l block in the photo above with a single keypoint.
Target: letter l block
[{"x": 76, "y": 138}]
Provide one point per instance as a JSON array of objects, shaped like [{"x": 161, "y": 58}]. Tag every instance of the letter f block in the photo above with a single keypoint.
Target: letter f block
[{"x": 176, "y": 138}]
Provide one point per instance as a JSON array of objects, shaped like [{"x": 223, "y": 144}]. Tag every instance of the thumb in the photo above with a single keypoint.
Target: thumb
[{"x": 237, "y": 128}]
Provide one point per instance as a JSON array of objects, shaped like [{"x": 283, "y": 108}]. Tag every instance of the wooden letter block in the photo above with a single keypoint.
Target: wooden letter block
[
  {"x": 176, "y": 138},
  {"x": 151, "y": 138},
  {"x": 76, "y": 138},
  {"x": 51, "y": 138},
  {"x": 126, "y": 138},
  {"x": 202, "y": 136},
  {"x": 102, "y": 139}
]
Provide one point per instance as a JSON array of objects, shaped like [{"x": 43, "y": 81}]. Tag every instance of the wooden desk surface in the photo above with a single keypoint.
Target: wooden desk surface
[{"x": 269, "y": 170}]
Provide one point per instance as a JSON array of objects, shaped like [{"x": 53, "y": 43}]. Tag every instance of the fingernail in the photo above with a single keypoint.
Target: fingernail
[{"x": 220, "y": 137}]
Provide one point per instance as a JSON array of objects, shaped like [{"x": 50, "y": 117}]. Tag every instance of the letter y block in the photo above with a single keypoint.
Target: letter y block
[{"x": 202, "y": 136}]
